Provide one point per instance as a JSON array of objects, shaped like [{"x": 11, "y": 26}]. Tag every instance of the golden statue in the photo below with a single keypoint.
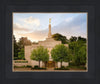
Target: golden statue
[{"x": 49, "y": 20}]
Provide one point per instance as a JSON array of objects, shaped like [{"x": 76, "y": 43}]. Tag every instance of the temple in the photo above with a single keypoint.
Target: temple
[{"x": 49, "y": 43}]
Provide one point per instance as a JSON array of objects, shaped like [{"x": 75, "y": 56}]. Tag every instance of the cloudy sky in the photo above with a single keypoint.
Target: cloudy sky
[{"x": 34, "y": 26}]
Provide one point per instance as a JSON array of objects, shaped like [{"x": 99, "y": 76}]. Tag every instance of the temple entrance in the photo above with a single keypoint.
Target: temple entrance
[{"x": 50, "y": 64}]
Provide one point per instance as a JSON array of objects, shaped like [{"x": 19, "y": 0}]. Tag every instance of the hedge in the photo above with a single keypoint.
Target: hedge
[{"x": 21, "y": 61}]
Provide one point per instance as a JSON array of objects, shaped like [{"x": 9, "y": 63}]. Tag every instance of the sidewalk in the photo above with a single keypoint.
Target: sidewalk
[{"x": 48, "y": 70}]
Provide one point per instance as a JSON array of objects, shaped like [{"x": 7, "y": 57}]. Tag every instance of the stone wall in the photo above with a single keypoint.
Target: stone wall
[{"x": 33, "y": 63}]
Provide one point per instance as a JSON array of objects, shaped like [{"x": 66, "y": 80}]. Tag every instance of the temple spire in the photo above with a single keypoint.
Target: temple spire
[{"x": 49, "y": 33}]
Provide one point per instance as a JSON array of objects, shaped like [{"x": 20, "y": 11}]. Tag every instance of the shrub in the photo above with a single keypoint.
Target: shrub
[
  {"x": 29, "y": 66},
  {"x": 36, "y": 67},
  {"x": 15, "y": 58},
  {"x": 23, "y": 58},
  {"x": 62, "y": 68},
  {"x": 72, "y": 64}
]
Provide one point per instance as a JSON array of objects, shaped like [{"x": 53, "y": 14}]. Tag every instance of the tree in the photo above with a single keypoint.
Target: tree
[
  {"x": 81, "y": 39},
  {"x": 78, "y": 50},
  {"x": 24, "y": 41},
  {"x": 73, "y": 38},
  {"x": 82, "y": 56},
  {"x": 40, "y": 54},
  {"x": 15, "y": 47},
  {"x": 21, "y": 54},
  {"x": 19, "y": 47},
  {"x": 60, "y": 37},
  {"x": 45, "y": 56},
  {"x": 59, "y": 53}
]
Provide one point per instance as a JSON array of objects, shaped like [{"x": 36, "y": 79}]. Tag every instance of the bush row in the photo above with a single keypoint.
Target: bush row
[
  {"x": 21, "y": 61},
  {"x": 38, "y": 68},
  {"x": 75, "y": 64},
  {"x": 17, "y": 58}
]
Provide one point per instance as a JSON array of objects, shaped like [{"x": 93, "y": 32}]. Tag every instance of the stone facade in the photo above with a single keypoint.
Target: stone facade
[{"x": 49, "y": 43}]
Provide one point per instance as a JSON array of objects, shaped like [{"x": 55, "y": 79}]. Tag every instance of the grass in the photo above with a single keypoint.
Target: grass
[{"x": 77, "y": 67}]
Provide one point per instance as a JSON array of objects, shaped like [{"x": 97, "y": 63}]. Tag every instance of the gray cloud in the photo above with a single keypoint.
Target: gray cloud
[{"x": 76, "y": 27}]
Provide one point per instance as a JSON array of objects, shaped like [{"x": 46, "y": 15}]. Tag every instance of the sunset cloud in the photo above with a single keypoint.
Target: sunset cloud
[
  {"x": 36, "y": 36},
  {"x": 32, "y": 20},
  {"x": 26, "y": 25},
  {"x": 18, "y": 28}
]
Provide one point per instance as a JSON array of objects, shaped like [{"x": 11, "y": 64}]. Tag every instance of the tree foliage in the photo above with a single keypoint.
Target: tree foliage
[
  {"x": 23, "y": 41},
  {"x": 40, "y": 54},
  {"x": 16, "y": 50},
  {"x": 73, "y": 38},
  {"x": 60, "y": 37},
  {"x": 19, "y": 47},
  {"x": 81, "y": 39},
  {"x": 59, "y": 53},
  {"x": 81, "y": 56},
  {"x": 21, "y": 54},
  {"x": 78, "y": 50}
]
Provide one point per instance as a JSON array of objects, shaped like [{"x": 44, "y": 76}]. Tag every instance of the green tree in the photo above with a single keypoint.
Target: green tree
[
  {"x": 40, "y": 54},
  {"x": 59, "y": 53},
  {"x": 80, "y": 58},
  {"x": 78, "y": 50},
  {"x": 60, "y": 37},
  {"x": 23, "y": 41},
  {"x": 73, "y": 38},
  {"x": 81, "y": 39},
  {"x": 21, "y": 54},
  {"x": 16, "y": 47},
  {"x": 19, "y": 47}
]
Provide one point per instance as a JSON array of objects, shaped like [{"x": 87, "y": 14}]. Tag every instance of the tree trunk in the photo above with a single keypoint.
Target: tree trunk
[
  {"x": 39, "y": 63},
  {"x": 45, "y": 64},
  {"x": 61, "y": 63},
  {"x": 54, "y": 64}
]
